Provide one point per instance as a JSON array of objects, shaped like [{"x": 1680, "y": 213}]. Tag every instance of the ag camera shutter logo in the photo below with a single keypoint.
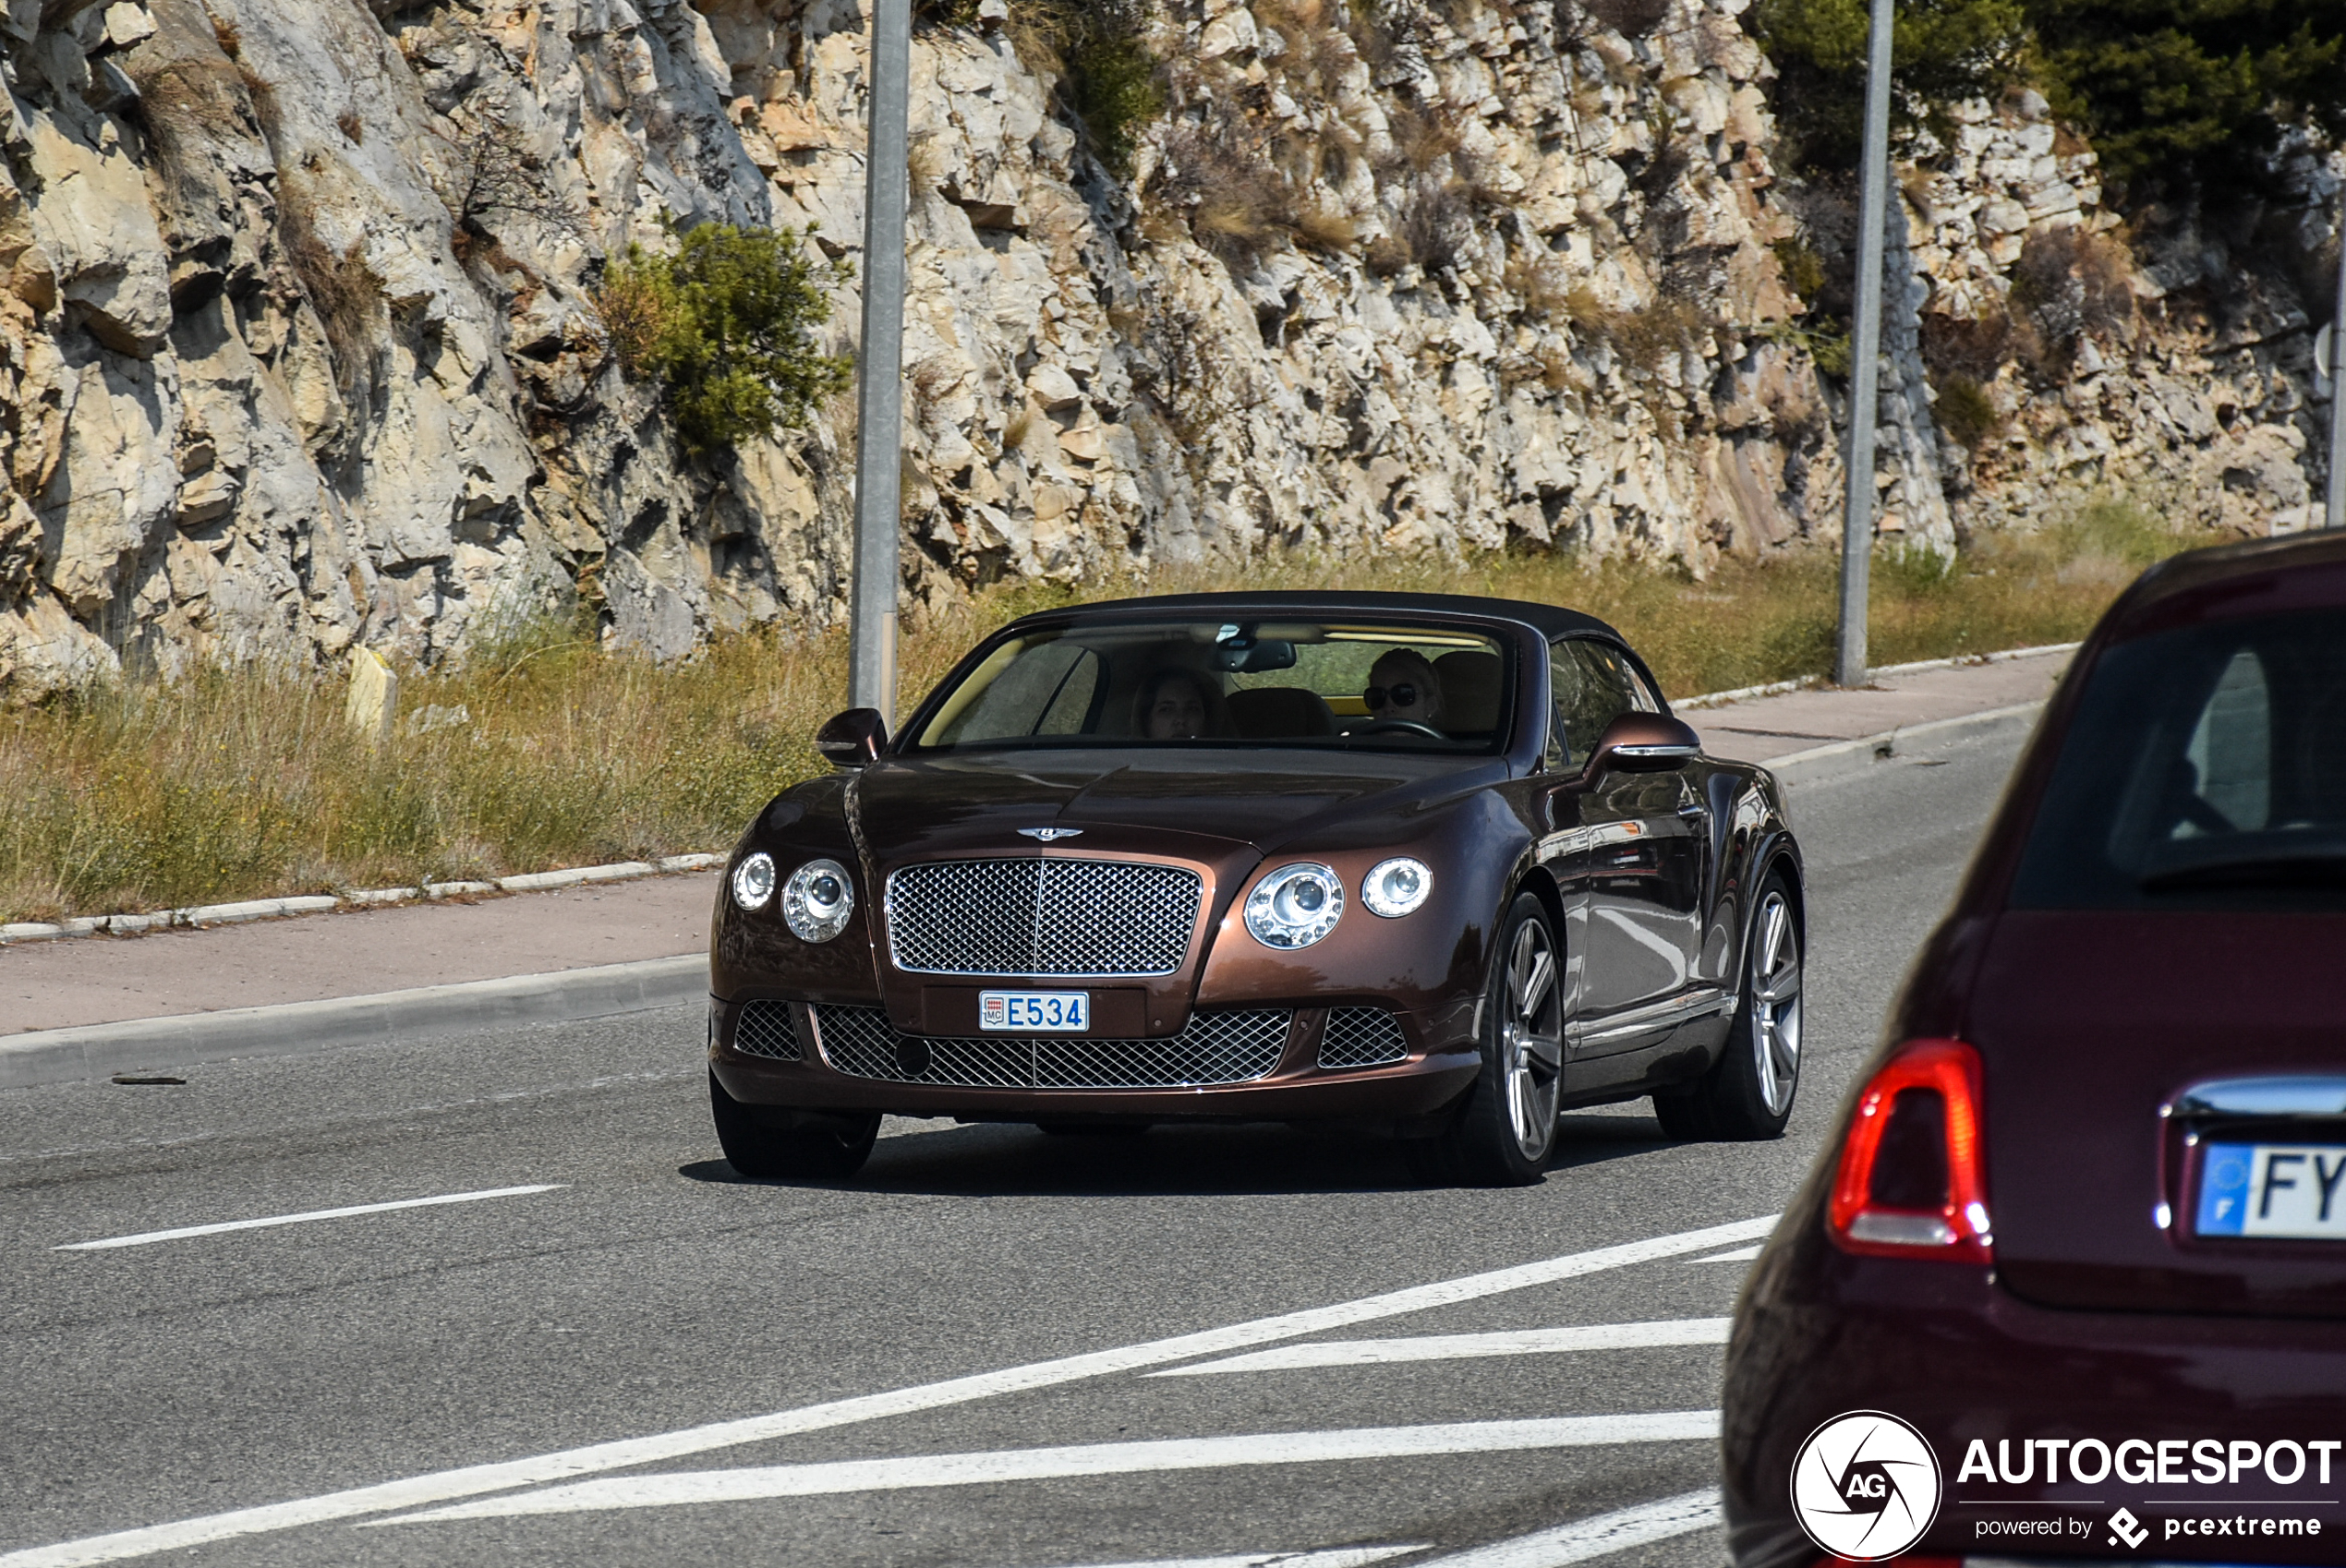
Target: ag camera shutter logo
[{"x": 1866, "y": 1486}]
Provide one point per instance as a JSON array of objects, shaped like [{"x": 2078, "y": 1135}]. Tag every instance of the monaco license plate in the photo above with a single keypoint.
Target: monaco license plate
[
  {"x": 1035, "y": 1012},
  {"x": 2290, "y": 1191}
]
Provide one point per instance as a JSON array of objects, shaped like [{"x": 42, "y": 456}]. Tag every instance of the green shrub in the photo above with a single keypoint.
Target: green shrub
[
  {"x": 1107, "y": 77},
  {"x": 725, "y": 325},
  {"x": 1966, "y": 413},
  {"x": 1942, "y": 51},
  {"x": 2192, "y": 86}
]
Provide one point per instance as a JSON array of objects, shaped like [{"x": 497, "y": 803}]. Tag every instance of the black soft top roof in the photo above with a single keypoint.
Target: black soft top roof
[{"x": 1551, "y": 620}]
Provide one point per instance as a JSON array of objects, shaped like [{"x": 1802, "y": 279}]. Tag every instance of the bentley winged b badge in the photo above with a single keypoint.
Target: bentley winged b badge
[{"x": 1052, "y": 835}]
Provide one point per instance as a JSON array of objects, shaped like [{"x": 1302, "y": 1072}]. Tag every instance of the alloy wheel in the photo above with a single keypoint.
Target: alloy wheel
[
  {"x": 1532, "y": 1038},
  {"x": 1775, "y": 1003}
]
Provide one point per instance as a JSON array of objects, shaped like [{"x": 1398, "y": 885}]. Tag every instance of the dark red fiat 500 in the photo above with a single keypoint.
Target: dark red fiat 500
[
  {"x": 2070, "y": 1280},
  {"x": 1447, "y": 864}
]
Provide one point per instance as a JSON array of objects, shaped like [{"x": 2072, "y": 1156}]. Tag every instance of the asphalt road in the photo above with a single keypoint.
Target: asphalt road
[{"x": 956, "y": 1360}]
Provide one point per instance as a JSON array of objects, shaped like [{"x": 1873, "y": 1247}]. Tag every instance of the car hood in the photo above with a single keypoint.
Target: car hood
[{"x": 1255, "y": 797}]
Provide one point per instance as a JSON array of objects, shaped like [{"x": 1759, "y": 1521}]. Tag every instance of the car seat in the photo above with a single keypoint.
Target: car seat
[
  {"x": 1471, "y": 681},
  {"x": 1278, "y": 713}
]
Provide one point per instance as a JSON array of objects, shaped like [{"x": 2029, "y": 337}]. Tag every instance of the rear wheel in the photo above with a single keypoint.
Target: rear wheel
[
  {"x": 1504, "y": 1132},
  {"x": 1748, "y": 1093},
  {"x": 775, "y": 1141}
]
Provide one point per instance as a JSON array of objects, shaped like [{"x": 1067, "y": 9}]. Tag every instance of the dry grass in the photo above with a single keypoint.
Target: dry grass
[{"x": 247, "y": 784}]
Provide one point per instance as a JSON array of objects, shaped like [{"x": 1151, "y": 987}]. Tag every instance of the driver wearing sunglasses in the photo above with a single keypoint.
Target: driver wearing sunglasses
[{"x": 1403, "y": 687}]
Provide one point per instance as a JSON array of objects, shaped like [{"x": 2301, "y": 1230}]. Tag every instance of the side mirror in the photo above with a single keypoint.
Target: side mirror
[
  {"x": 853, "y": 739},
  {"x": 1642, "y": 742}
]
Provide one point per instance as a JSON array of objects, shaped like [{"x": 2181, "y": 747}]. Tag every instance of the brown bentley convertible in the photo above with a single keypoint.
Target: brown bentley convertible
[{"x": 1444, "y": 864}]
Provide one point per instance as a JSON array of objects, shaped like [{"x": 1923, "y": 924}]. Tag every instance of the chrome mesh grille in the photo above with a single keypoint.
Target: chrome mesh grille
[
  {"x": 1361, "y": 1037},
  {"x": 1037, "y": 917},
  {"x": 1219, "y": 1047},
  {"x": 766, "y": 1028}
]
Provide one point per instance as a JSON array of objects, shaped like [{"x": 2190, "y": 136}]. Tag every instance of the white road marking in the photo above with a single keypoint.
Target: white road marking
[
  {"x": 1595, "y": 1536},
  {"x": 185, "y": 1231},
  {"x": 1465, "y": 1346},
  {"x": 1740, "y": 1255},
  {"x": 1253, "y": 1451},
  {"x": 1333, "y": 1557},
  {"x": 472, "y": 1480}
]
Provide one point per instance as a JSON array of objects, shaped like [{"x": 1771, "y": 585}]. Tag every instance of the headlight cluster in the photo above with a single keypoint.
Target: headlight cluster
[
  {"x": 816, "y": 901},
  {"x": 753, "y": 881},
  {"x": 1394, "y": 888},
  {"x": 1296, "y": 905}
]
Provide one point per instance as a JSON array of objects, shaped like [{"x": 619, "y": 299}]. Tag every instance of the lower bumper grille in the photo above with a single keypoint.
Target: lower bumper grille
[
  {"x": 1361, "y": 1037},
  {"x": 765, "y": 1029},
  {"x": 1216, "y": 1047}
]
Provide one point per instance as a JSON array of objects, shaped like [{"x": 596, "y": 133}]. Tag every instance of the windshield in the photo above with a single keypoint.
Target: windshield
[
  {"x": 2206, "y": 767},
  {"x": 1215, "y": 683}
]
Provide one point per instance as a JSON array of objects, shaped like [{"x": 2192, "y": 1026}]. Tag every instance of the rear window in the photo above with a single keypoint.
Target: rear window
[{"x": 2205, "y": 767}]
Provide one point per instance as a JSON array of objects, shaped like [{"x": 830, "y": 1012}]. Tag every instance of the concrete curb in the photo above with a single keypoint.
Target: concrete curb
[
  {"x": 426, "y": 1012},
  {"x": 1818, "y": 682},
  {"x": 321, "y": 903},
  {"x": 1841, "y": 759}
]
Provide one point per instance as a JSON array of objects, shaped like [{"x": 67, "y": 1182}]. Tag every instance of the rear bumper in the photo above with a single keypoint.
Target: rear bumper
[
  {"x": 1820, "y": 1333},
  {"x": 1297, "y": 1088}
]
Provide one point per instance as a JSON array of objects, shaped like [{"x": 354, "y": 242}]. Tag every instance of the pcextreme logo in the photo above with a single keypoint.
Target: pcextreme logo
[{"x": 1866, "y": 1486}]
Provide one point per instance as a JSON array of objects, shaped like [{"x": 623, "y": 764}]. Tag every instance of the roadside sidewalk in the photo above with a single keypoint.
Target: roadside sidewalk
[{"x": 92, "y": 1005}]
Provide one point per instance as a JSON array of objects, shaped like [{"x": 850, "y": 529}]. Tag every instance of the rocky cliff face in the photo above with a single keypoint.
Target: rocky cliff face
[{"x": 300, "y": 347}]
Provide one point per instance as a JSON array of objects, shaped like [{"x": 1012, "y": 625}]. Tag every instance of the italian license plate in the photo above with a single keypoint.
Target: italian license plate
[
  {"x": 1035, "y": 1012},
  {"x": 2291, "y": 1192}
]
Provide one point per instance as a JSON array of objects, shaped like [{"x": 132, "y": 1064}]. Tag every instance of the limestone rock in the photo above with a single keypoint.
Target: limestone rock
[{"x": 302, "y": 351}]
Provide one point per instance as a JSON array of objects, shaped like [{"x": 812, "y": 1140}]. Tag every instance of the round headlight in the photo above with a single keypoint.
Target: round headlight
[
  {"x": 1394, "y": 888},
  {"x": 817, "y": 901},
  {"x": 753, "y": 881},
  {"x": 1295, "y": 906}
]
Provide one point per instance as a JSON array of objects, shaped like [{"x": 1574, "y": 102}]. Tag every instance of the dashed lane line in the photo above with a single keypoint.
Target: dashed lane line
[
  {"x": 1331, "y": 1557},
  {"x": 473, "y": 1481},
  {"x": 1740, "y": 1255},
  {"x": 1250, "y": 1450},
  {"x": 143, "y": 1238},
  {"x": 1580, "y": 1541},
  {"x": 1598, "y": 1536},
  {"x": 1465, "y": 1346}
]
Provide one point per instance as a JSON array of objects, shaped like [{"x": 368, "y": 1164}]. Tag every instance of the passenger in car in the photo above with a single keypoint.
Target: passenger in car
[
  {"x": 1402, "y": 686},
  {"x": 1173, "y": 705}
]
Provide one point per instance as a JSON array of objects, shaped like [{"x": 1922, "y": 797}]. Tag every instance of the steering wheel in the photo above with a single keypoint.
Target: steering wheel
[{"x": 1406, "y": 725}]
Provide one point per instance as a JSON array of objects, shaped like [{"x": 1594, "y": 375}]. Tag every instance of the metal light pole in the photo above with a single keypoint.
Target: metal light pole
[
  {"x": 1865, "y": 353},
  {"x": 880, "y": 393},
  {"x": 2334, "y": 507}
]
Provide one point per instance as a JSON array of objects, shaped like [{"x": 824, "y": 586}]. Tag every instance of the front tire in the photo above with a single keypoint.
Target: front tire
[
  {"x": 1505, "y": 1131},
  {"x": 1746, "y": 1096},
  {"x": 763, "y": 1141}
]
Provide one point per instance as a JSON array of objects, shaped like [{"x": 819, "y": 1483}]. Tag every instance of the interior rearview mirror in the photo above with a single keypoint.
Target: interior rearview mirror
[
  {"x": 853, "y": 739},
  {"x": 1642, "y": 741}
]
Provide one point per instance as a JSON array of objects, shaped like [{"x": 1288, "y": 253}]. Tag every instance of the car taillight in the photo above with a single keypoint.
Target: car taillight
[{"x": 1912, "y": 1181}]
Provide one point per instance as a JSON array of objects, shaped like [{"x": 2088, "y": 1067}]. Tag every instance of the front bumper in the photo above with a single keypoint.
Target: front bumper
[
  {"x": 1820, "y": 1333},
  {"x": 1296, "y": 1089}
]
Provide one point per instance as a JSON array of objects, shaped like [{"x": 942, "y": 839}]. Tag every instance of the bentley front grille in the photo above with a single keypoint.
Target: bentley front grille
[
  {"x": 765, "y": 1029},
  {"x": 1042, "y": 917},
  {"x": 1217, "y": 1047},
  {"x": 1361, "y": 1037}
]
